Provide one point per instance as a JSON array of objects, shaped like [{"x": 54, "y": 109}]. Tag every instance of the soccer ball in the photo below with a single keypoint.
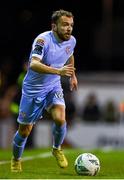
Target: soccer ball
[{"x": 87, "y": 164}]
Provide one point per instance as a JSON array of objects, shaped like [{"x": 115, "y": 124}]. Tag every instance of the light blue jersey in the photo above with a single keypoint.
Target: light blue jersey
[
  {"x": 40, "y": 91},
  {"x": 51, "y": 53}
]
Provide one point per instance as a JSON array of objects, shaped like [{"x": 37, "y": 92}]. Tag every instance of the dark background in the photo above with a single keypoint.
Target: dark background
[{"x": 99, "y": 30}]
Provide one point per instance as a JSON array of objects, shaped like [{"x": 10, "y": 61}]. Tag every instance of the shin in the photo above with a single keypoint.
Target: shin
[{"x": 20, "y": 140}]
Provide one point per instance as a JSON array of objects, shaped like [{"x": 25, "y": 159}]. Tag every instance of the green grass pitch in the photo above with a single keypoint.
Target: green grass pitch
[{"x": 40, "y": 164}]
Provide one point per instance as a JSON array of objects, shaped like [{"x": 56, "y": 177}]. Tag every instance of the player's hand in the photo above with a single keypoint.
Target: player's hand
[
  {"x": 67, "y": 70},
  {"x": 73, "y": 83}
]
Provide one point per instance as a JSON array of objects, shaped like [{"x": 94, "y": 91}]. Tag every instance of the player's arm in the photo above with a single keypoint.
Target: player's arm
[
  {"x": 73, "y": 78},
  {"x": 37, "y": 65}
]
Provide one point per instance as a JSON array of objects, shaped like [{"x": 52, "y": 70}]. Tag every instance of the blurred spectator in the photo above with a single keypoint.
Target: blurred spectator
[
  {"x": 0, "y": 80},
  {"x": 70, "y": 109},
  {"x": 16, "y": 101},
  {"x": 91, "y": 111},
  {"x": 7, "y": 127},
  {"x": 6, "y": 69},
  {"x": 69, "y": 100},
  {"x": 110, "y": 112}
]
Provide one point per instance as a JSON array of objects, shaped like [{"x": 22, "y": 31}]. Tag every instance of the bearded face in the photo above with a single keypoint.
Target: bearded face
[{"x": 63, "y": 28}]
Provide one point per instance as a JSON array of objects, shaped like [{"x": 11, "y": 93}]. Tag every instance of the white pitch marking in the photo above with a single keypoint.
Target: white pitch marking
[{"x": 42, "y": 155}]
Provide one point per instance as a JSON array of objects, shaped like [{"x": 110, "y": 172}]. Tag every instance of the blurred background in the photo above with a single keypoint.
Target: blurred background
[{"x": 93, "y": 112}]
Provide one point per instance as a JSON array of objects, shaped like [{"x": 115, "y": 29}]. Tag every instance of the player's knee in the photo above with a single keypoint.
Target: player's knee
[
  {"x": 58, "y": 114},
  {"x": 60, "y": 121},
  {"x": 24, "y": 133},
  {"x": 59, "y": 118},
  {"x": 25, "y": 130}
]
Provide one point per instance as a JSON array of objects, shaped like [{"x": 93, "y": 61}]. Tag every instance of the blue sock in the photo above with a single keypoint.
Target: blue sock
[
  {"x": 18, "y": 145},
  {"x": 59, "y": 133}
]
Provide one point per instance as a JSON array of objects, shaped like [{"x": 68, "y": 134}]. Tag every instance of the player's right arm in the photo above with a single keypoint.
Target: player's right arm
[
  {"x": 37, "y": 65},
  {"x": 38, "y": 50}
]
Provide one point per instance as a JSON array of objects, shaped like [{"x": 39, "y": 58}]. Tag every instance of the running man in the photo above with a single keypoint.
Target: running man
[{"x": 51, "y": 57}]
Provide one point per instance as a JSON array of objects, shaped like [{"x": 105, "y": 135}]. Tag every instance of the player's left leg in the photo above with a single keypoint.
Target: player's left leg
[{"x": 59, "y": 131}]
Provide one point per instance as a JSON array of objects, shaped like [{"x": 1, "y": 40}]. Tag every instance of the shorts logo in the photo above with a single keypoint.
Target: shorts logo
[
  {"x": 22, "y": 114},
  {"x": 59, "y": 95}
]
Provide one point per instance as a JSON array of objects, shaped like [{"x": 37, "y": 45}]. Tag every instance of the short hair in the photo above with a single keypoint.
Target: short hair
[{"x": 57, "y": 14}]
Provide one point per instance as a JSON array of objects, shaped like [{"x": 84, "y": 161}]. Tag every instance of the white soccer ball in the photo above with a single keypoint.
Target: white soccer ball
[{"x": 87, "y": 164}]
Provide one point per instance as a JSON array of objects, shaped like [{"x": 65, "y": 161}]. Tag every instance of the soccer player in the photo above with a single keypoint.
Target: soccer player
[{"x": 51, "y": 57}]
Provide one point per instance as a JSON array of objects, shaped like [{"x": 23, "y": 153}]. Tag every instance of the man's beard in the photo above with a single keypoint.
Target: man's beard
[{"x": 64, "y": 37}]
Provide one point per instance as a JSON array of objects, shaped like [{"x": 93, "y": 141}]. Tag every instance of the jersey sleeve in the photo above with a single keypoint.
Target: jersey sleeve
[{"x": 38, "y": 48}]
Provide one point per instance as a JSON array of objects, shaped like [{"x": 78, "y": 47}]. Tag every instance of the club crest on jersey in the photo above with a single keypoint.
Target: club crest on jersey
[
  {"x": 68, "y": 49},
  {"x": 40, "y": 42}
]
